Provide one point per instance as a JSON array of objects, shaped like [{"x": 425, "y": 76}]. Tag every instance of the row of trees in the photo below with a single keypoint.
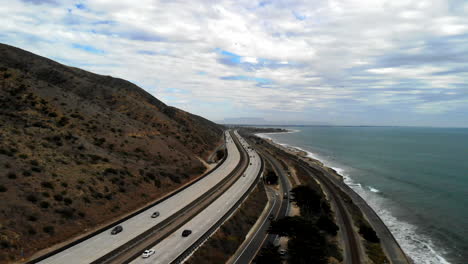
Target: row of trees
[{"x": 307, "y": 233}]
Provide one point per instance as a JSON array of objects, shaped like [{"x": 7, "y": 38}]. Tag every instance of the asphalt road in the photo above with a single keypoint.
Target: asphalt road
[
  {"x": 174, "y": 245},
  {"x": 102, "y": 243},
  {"x": 279, "y": 209}
]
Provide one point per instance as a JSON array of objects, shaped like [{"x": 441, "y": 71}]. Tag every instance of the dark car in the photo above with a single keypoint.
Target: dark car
[
  {"x": 271, "y": 217},
  {"x": 155, "y": 214},
  {"x": 186, "y": 233},
  {"x": 116, "y": 230}
]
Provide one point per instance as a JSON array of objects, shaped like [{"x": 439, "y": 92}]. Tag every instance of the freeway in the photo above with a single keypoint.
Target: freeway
[
  {"x": 172, "y": 247},
  {"x": 95, "y": 247}
]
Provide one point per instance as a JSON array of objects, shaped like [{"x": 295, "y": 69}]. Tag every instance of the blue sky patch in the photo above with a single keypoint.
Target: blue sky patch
[
  {"x": 87, "y": 48},
  {"x": 80, "y": 6},
  {"x": 247, "y": 78}
]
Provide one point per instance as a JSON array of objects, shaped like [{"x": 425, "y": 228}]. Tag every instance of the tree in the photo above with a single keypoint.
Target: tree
[
  {"x": 368, "y": 233},
  {"x": 307, "y": 199},
  {"x": 268, "y": 255},
  {"x": 327, "y": 224},
  {"x": 220, "y": 154},
  {"x": 271, "y": 177}
]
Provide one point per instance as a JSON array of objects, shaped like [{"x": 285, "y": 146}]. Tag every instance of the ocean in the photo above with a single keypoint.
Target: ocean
[{"x": 416, "y": 179}]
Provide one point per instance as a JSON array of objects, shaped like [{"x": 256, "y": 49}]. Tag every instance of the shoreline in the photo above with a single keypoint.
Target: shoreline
[{"x": 392, "y": 224}]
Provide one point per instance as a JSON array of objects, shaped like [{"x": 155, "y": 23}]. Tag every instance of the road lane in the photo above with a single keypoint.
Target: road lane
[
  {"x": 174, "y": 245},
  {"x": 102, "y": 243}
]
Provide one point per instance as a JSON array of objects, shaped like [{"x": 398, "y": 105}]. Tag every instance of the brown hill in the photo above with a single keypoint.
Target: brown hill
[{"x": 78, "y": 149}]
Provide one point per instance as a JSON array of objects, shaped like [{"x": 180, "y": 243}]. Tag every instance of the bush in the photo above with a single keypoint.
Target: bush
[
  {"x": 32, "y": 198},
  {"x": 110, "y": 171},
  {"x": 11, "y": 175},
  {"x": 32, "y": 231},
  {"x": 58, "y": 197},
  {"x": 44, "y": 204},
  {"x": 26, "y": 173},
  {"x": 48, "y": 185},
  {"x": 3, "y": 188},
  {"x": 32, "y": 218},
  {"x": 67, "y": 201},
  {"x": 66, "y": 212},
  {"x": 63, "y": 121},
  {"x": 49, "y": 229}
]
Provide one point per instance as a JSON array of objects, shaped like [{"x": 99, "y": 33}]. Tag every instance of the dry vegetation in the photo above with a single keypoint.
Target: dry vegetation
[
  {"x": 78, "y": 149},
  {"x": 229, "y": 237}
]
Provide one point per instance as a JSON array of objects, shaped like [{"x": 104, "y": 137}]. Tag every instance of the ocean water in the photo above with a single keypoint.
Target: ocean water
[{"x": 416, "y": 179}]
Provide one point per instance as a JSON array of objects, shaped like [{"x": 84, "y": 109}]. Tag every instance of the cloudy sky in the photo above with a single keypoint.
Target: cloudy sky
[{"x": 351, "y": 62}]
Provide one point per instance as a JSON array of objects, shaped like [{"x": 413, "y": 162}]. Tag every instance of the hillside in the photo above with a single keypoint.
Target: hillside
[{"x": 78, "y": 149}]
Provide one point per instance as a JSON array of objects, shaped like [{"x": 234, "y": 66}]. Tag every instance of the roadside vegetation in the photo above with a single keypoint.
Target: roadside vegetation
[
  {"x": 224, "y": 242},
  {"x": 311, "y": 235}
]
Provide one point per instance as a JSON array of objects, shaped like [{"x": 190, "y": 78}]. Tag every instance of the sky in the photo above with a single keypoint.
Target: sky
[{"x": 342, "y": 62}]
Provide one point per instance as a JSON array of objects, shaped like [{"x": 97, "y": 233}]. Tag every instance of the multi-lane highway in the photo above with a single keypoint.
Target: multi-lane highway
[
  {"x": 95, "y": 247},
  {"x": 169, "y": 249}
]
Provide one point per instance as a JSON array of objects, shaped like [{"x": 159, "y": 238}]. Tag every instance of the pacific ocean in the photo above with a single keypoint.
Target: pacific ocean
[{"x": 416, "y": 179}]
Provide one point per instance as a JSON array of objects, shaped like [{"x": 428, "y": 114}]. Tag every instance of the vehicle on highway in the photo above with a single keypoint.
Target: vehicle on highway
[
  {"x": 155, "y": 214},
  {"x": 271, "y": 217},
  {"x": 186, "y": 233},
  {"x": 116, "y": 230},
  {"x": 285, "y": 195},
  {"x": 148, "y": 253}
]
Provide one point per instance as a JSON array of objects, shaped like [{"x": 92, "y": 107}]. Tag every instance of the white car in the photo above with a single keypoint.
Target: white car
[{"x": 148, "y": 253}]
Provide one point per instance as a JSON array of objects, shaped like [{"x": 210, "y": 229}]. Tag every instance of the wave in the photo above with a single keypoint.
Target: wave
[{"x": 419, "y": 247}]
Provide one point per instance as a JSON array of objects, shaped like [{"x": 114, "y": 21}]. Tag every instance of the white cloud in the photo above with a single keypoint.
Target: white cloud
[{"x": 308, "y": 54}]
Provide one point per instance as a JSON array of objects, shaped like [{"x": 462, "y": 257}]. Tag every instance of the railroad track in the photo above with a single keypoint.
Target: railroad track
[{"x": 349, "y": 236}]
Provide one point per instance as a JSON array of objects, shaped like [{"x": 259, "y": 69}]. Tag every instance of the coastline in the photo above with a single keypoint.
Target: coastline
[{"x": 392, "y": 224}]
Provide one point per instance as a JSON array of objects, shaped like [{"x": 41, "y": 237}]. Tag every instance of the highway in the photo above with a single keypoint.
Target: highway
[
  {"x": 172, "y": 247},
  {"x": 95, "y": 247}
]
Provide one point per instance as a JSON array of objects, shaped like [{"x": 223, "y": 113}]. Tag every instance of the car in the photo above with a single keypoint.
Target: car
[
  {"x": 155, "y": 214},
  {"x": 116, "y": 230},
  {"x": 285, "y": 195},
  {"x": 271, "y": 217},
  {"x": 186, "y": 233},
  {"x": 282, "y": 252},
  {"x": 147, "y": 253}
]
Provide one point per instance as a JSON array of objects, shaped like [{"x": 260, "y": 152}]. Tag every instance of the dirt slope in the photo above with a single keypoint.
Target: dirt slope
[{"x": 78, "y": 149}]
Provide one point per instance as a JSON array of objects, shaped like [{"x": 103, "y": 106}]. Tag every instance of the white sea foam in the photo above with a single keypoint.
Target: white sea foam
[{"x": 417, "y": 246}]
